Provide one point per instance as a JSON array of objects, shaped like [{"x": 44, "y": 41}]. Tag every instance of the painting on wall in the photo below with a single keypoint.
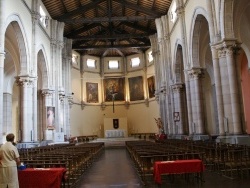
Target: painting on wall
[
  {"x": 114, "y": 87},
  {"x": 136, "y": 88},
  {"x": 151, "y": 87},
  {"x": 76, "y": 60},
  {"x": 92, "y": 92},
  {"x": 50, "y": 117}
]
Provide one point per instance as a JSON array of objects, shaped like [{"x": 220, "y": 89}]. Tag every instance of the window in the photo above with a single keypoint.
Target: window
[
  {"x": 43, "y": 19},
  {"x": 150, "y": 57},
  {"x": 113, "y": 64},
  {"x": 135, "y": 62},
  {"x": 91, "y": 63}
]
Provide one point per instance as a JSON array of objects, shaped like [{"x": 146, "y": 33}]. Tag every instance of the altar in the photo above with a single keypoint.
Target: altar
[
  {"x": 120, "y": 133},
  {"x": 115, "y": 128}
]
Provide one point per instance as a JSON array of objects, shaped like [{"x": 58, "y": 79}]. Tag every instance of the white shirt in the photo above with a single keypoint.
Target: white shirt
[{"x": 8, "y": 155}]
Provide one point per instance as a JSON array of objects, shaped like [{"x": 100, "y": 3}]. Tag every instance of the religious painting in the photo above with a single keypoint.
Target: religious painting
[
  {"x": 50, "y": 117},
  {"x": 92, "y": 92},
  {"x": 151, "y": 86},
  {"x": 136, "y": 88},
  {"x": 76, "y": 60},
  {"x": 114, "y": 89}
]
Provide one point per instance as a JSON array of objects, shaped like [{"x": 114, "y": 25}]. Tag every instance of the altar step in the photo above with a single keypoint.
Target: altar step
[{"x": 115, "y": 142}]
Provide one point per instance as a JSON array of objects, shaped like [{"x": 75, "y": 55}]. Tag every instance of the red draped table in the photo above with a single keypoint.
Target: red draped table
[
  {"x": 177, "y": 167},
  {"x": 41, "y": 177}
]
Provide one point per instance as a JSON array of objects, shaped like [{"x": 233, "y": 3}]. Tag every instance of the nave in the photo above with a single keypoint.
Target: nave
[
  {"x": 130, "y": 164},
  {"x": 115, "y": 169}
]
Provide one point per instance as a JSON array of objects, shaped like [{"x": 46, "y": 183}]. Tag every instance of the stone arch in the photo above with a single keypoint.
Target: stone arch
[
  {"x": 226, "y": 19},
  {"x": 241, "y": 30},
  {"x": 201, "y": 58},
  {"x": 178, "y": 63},
  {"x": 241, "y": 25},
  {"x": 21, "y": 38},
  {"x": 200, "y": 18},
  {"x": 42, "y": 66}
]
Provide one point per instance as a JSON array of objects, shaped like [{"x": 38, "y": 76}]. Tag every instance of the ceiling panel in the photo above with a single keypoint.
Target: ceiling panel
[{"x": 108, "y": 27}]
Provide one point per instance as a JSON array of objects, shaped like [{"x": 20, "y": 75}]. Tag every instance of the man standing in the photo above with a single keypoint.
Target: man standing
[{"x": 9, "y": 160}]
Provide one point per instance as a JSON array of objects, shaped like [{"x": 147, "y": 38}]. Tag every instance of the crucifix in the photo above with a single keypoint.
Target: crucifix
[
  {"x": 113, "y": 94},
  {"x": 113, "y": 99}
]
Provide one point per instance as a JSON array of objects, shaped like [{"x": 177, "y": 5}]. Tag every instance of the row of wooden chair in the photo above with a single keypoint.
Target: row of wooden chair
[
  {"x": 79, "y": 139},
  {"x": 145, "y": 136},
  {"x": 229, "y": 160},
  {"x": 145, "y": 153},
  {"x": 75, "y": 158}
]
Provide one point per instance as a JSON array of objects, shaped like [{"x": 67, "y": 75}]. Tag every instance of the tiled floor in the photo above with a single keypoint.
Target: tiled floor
[{"x": 114, "y": 169}]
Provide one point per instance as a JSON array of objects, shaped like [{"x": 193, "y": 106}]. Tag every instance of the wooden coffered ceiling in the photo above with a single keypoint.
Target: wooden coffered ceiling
[{"x": 108, "y": 27}]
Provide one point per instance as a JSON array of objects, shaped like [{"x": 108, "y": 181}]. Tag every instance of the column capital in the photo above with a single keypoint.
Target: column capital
[
  {"x": 60, "y": 44},
  {"x": 35, "y": 17},
  {"x": 160, "y": 40},
  {"x": 178, "y": 87},
  {"x": 2, "y": 57},
  {"x": 226, "y": 44},
  {"x": 195, "y": 72},
  {"x": 47, "y": 92},
  {"x": 25, "y": 81},
  {"x": 180, "y": 11}
]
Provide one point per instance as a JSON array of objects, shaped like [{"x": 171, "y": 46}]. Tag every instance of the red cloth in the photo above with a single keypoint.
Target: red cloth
[
  {"x": 177, "y": 167},
  {"x": 41, "y": 178}
]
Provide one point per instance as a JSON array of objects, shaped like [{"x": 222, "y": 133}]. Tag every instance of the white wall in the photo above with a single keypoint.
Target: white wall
[{"x": 90, "y": 119}]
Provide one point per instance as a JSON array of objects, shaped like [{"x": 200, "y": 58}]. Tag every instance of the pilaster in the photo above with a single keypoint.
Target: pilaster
[
  {"x": 229, "y": 120},
  {"x": 178, "y": 89},
  {"x": 2, "y": 56},
  {"x": 196, "y": 101},
  {"x": 218, "y": 88},
  {"x": 26, "y": 124}
]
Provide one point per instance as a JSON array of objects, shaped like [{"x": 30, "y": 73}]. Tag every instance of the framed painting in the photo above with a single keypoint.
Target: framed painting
[
  {"x": 176, "y": 116},
  {"x": 136, "y": 88},
  {"x": 114, "y": 86},
  {"x": 151, "y": 87},
  {"x": 50, "y": 117},
  {"x": 92, "y": 92}
]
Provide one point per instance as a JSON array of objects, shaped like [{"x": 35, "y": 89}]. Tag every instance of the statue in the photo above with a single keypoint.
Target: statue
[{"x": 161, "y": 135}]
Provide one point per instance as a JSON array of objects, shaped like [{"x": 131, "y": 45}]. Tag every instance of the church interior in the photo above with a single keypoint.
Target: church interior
[{"x": 90, "y": 86}]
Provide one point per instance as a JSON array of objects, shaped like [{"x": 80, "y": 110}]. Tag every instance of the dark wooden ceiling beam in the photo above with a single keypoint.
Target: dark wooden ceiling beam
[
  {"x": 80, "y": 10},
  {"x": 138, "y": 27},
  {"x": 114, "y": 36},
  {"x": 138, "y": 8},
  {"x": 98, "y": 47},
  {"x": 107, "y": 19},
  {"x": 83, "y": 29}
]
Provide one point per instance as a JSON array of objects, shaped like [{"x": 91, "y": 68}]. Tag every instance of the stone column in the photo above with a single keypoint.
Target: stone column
[
  {"x": 155, "y": 54},
  {"x": 46, "y": 101},
  {"x": 67, "y": 56},
  {"x": 218, "y": 89},
  {"x": 7, "y": 113},
  {"x": 197, "y": 102},
  {"x": 35, "y": 26},
  {"x": 179, "y": 107},
  {"x": 2, "y": 56},
  {"x": 234, "y": 92},
  {"x": 180, "y": 10},
  {"x": 26, "y": 111},
  {"x": 189, "y": 102},
  {"x": 34, "y": 102}
]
